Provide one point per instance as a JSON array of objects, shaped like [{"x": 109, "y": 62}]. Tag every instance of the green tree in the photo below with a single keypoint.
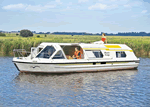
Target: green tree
[
  {"x": 26, "y": 33},
  {"x": 2, "y": 34}
]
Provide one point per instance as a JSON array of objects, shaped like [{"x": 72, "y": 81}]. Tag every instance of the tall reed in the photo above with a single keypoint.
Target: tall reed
[{"x": 140, "y": 45}]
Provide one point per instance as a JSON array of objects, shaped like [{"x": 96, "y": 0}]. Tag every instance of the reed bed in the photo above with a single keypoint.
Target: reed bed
[{"x": 140, "y": 45}]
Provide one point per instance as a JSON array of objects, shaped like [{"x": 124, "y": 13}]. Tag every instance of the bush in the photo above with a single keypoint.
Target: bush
[
  {"x": 26, "y": 33},
  {"x": 17, "y": 34},
  {"x": 2, "y": 34},
  {"x": 38, "y": 36},
  {"x": 45, "y": 35}
]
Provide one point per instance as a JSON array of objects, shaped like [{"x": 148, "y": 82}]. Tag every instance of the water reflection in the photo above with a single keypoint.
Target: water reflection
[{"x": 75, "y": 80}]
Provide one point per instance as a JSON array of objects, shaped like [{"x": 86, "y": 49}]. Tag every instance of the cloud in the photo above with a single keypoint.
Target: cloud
[
  {"x": 133, "y": 4},
  {"x": 58, "y": 1},
  {"x": 144, "y": 11},
  {"x": 112, "y": 4},
  {"x": 112, "y": 0},
  {"x": 37, "y": 8},
  {"x": 99, "y": 6},
  {"x": 82, "y": 1},
  {"x": 70, "y": 3},
  {"x": 134, "y": 16},
  {"x": 14, "y": 6},
  {"x": 68, "y": 8},
  {"x": 127, "y": 5}
]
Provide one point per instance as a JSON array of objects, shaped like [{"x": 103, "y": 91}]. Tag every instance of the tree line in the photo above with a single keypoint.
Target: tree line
[
  {"x": 27, "y": 33},
  {"x": 111, "y": 34}
]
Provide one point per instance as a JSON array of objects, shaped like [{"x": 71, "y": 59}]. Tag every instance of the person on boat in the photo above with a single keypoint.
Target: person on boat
[
  {"x": 77, "y": 54},
  {"x": 104, "y": 38}
]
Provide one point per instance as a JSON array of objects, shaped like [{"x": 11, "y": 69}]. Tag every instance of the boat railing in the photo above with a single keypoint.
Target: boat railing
[{"x": 20, "y": 53}]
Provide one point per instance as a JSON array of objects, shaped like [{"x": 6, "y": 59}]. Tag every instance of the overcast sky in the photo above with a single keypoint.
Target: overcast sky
[{"x": 92, "y": 16}]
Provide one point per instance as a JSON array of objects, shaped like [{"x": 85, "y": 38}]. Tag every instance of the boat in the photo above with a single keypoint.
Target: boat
[{"x": 58, "y": 58}]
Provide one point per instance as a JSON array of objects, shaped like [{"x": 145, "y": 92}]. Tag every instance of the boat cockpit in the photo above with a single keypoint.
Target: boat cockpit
[{"x": 55, "y": 51}]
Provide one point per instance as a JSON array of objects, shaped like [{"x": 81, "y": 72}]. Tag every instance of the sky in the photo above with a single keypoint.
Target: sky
[{"x": 91, "y": 16}]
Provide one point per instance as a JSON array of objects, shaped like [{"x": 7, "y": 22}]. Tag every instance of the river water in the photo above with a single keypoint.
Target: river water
[{"x": 128, "y": 88}]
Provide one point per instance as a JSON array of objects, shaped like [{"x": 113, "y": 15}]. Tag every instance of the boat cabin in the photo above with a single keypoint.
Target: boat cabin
[{"x": 66, "y": 51}]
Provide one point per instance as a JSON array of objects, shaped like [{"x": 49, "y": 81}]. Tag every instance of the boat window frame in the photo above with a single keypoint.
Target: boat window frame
[
  {"x": 73, "y": 46},
  {"x": 107, "y": 53},
  {"x": 43, "y": 49},
  {"x": 56, "y": 53},
  {"x": 88, "y": 55},
  {"x": 100, "y": 53},
  {"x": 33, "y": 52},
  {"x": 120, "y": 54},
  {"x": 94, "y": 54},
  {"x": 40, "y": 50}
]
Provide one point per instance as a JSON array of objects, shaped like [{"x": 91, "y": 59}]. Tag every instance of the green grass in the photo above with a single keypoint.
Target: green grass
[{"x": 139, "y": 44}]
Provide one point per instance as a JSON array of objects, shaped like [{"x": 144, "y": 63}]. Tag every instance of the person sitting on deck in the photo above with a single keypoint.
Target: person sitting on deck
[
  {"x": 104, "y": 38},
  {"x": 77, "y": 54}
]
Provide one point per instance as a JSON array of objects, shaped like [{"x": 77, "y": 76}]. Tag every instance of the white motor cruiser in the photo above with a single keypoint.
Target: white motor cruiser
[{"x": 59, "y": 58}]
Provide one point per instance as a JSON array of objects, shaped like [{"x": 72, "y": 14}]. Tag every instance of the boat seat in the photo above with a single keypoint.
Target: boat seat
[{"x": 69, "y": 57}]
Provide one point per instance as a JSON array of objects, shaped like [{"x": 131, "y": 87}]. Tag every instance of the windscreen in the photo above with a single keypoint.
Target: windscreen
[{"x": 46, "y": 52}]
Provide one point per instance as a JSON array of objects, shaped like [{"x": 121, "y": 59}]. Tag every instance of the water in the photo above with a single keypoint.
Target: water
[{"x": 104, "y": 89}]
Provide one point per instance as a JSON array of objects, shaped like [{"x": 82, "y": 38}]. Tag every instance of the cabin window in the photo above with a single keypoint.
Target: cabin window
[
  {"x": 70, "y": 51},
  {"x": 40, "y": 49},
  {"x": 90, "y": 54},
  {"x": 59, "y": 55},
  {"x": 120, "y": 54},
  {"x": 94, "y": 54},
  {"x": 46, "y": 52},
  {"x": 98, "y": 54},
  {"x": 107, "y": 53}
]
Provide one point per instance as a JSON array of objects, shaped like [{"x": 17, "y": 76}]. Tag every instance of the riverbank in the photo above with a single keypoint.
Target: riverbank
[{"x": 140, "y": 45}]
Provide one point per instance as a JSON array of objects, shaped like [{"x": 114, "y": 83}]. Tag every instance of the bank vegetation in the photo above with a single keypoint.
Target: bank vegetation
[{"x": 139, "y": 44}]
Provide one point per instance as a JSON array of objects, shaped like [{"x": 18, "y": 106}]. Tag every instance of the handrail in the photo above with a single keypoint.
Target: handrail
[
  {"x": 20, "y": 52},
  {"x": 23, "y": 52}
]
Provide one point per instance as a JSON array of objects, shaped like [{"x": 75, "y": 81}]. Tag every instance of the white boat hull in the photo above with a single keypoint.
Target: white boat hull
[{"x": 68, "y": 68}]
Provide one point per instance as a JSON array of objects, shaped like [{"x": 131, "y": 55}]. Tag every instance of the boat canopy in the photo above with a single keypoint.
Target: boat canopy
[
  {"x": 88, "y": 51},
  {"x": 90, "y": 46}
]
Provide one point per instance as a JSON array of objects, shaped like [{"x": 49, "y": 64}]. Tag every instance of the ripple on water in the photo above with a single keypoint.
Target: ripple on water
[{"x": 115, "y": 88}]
